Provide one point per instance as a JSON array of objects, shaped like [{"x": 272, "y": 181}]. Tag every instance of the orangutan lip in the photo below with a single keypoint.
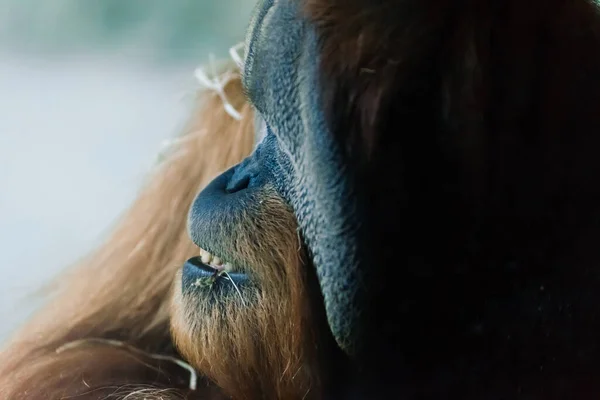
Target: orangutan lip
[{"x": 201, "y": 274}]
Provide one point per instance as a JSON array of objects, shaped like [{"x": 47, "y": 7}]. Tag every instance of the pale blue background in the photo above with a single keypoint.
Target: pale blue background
[{"x": 89, "y": 89}]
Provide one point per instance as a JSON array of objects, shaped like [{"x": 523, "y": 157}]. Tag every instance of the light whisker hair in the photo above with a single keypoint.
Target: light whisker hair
[
  {"x": 116, "y": 343},
  {"x": 235, "y": 286}
]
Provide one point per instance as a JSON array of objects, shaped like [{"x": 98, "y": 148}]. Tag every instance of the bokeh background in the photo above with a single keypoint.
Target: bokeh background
[{"x": 88, "y": 92}]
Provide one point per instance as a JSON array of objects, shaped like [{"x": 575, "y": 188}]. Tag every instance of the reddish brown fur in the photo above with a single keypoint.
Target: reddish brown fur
[
  {"x": 479, "y": 53},
  {"x": 496, "y": 103},
  {"x": 266, "y": 347},
  {"x": 122, "y": 290}
]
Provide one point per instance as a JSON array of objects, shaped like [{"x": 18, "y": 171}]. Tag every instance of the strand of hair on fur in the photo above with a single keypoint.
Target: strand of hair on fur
[{"x": 117, "y": 343}]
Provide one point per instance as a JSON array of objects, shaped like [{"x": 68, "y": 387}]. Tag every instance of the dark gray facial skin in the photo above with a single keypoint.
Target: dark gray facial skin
[{"x": 300, "y": 156}]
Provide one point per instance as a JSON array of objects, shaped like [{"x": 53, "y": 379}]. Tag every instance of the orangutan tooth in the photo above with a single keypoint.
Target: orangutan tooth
[
  {"x": 206, "y": 257},
  {"x": 214, "y": 261}
]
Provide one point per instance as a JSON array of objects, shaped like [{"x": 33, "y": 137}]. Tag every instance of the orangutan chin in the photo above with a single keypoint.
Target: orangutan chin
[{"x": 404, "y": 205}]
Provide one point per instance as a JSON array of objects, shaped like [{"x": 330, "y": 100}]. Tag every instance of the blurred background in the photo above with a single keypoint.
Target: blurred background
[{"x": 88, "y": 92}]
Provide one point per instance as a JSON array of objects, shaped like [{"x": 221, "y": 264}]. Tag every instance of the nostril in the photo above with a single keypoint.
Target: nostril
[{"x": 238, "y": 183}]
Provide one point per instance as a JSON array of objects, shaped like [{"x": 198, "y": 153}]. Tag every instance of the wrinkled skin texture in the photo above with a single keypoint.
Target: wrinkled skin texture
[
  {"x": 299, "y": 154},
  {"x": 297, "y": 162},
  {"x": 441, "y": 162},
  {"x": 299, "y": 158}
]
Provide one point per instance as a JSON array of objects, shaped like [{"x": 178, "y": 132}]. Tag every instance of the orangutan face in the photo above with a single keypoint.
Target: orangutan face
[{"x": 417, "y": 171}]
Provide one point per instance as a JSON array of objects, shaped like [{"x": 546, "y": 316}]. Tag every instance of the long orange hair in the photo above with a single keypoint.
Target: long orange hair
[{"x": 96, "y": 337}]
